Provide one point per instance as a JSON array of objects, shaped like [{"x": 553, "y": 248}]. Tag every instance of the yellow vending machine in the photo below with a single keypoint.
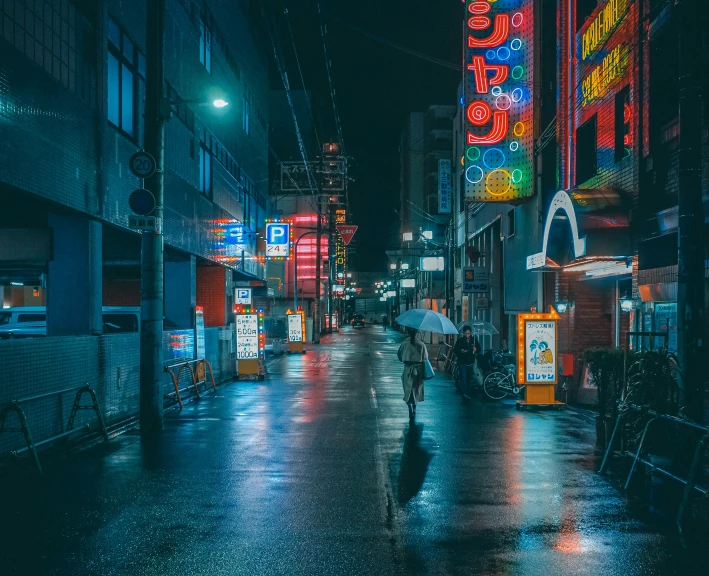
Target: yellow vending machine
[
  {"x": 250, "y": 342},
  {"x": 296, "y": 331},
  {"x": 537, "y": 358}
]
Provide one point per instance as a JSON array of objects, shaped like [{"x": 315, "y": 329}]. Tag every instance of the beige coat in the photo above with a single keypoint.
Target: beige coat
[{"x": 413, "y": 355}]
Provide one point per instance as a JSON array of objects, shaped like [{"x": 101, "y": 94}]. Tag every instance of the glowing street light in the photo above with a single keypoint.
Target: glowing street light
[{"x": 220, "y": 103}]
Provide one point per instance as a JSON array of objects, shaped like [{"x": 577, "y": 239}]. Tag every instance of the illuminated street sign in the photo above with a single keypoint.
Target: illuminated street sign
[
  {"x": 279, "y": 240},
  {"x": 247, "y": 337},
  {"x": 498, "y": 100}
]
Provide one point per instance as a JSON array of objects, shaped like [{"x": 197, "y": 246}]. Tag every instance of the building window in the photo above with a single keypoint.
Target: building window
[
  {"x": 623, "y": 115},
  {"x": 586, "y": 152},
  {"x": 246, "y": 109},
  {"x": 126, "y": 76},
  {"x": 205, "y": 46},
  {"x": 511, "y": 223},
  {"x": 205, "y": 166}
]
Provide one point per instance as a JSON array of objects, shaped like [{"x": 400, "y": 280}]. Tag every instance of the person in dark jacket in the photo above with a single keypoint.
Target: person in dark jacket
[{"x": 466, "y": 349}]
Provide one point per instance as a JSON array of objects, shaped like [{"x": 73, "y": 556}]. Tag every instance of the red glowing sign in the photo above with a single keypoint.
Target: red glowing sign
[{"x": 498, "y": 100}]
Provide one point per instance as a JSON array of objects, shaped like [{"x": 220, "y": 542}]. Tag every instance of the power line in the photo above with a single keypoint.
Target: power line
[
  {"x": 302, "y": 79},
  {"x": 328, "y": 66},
  {"x": 286, "y": 85},
  {"x": 401, "y": 48}
]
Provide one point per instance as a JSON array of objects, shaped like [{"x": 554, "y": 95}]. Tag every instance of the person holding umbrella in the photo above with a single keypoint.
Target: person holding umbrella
[
  {"x": 466, "y": 349},
  {"x": 413, "y": 352}
]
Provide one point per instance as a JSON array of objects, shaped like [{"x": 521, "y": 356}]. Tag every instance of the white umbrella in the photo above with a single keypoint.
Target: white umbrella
[
  {"x": 427, "y": 321},
  {"x": 479, "y": 327}
]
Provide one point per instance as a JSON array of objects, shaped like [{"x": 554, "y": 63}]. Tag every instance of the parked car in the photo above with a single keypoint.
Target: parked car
[
  {"x": 358, "y": 320},
  {"x": 31, "y": 321}
]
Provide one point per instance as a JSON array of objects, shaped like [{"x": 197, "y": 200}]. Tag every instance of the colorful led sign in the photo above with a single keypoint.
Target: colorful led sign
[{"x": 498, "y": 100}]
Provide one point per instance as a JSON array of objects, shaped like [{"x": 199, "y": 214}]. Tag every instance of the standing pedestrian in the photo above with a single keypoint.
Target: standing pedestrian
[
  {"x": 385, "y": 322},
  {"x": 466, "y": 349},
  {"x": 412, "y": 353}
]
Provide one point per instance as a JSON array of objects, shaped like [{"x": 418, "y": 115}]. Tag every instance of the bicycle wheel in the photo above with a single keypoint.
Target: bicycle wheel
[
  {"x": 454, "y": 370},
  {"x": 496, "y": 385}
]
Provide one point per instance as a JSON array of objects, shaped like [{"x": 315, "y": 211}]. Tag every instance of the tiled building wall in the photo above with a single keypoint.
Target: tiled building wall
[
  {"x": 620, "y": 176},
  {"x": 211, "y": 294},
  {"x": 57, "y": 143}
]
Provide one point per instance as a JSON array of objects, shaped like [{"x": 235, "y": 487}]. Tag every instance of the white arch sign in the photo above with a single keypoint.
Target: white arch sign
[{"x": 561, "y": 201}]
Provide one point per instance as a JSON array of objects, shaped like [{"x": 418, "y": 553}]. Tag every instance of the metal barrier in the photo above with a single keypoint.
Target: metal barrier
[
  {"x": 198, "y": 372},
  {"x": 14, "y": 406},
  {"x": 690, "y": 482}
]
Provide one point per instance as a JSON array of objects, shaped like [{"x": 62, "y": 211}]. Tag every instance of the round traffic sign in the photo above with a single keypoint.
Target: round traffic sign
[
  {"x": 142, "y": 202},
  {"x": 142, "y": 164}
]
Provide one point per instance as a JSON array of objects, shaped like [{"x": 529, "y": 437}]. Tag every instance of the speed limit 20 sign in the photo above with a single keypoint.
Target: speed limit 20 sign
[{"x": 142, "y": 164}]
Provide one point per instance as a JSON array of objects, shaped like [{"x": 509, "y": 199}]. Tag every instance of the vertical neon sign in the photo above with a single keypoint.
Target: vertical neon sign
[{"x": 498, "y": 84}]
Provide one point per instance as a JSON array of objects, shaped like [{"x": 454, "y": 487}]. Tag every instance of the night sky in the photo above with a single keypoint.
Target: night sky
[{"x": 376, "y": 87}]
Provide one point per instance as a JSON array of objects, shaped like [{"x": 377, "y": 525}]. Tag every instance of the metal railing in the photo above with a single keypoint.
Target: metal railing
[
  {"x": 198, "y": 372},
  {"x": 15, "y": 406},
  {"x": 689, "y": 482}
]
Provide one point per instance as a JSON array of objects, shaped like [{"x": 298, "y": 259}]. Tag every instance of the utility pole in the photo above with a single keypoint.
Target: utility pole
[
  {"x": 690, "y": 293},
  {"x": 318, "y": 267},
  {"x": 151, "y": 264}
]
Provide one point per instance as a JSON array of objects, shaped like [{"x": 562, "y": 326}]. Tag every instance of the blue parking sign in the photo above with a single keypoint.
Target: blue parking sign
[{"x": 278, "y": 240}]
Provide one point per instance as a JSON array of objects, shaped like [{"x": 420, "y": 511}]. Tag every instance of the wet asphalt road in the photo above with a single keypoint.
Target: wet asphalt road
[{"x": 317, "y": 471}]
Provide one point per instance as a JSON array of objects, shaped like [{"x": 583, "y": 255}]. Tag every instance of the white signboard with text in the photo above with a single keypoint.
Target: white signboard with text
[
  {"x": 445, "y": 187},
  {"x": 295, "y": 328},
  {"x": 247, "y": 337},
  {"x": 540, "y": 358}
]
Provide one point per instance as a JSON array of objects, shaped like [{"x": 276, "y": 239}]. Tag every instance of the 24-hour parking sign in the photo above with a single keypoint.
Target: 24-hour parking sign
[{"x": 278, "y": 240}]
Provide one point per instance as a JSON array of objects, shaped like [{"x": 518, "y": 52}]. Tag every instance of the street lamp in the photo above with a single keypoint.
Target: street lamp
[{"x": 219, "y": 103}]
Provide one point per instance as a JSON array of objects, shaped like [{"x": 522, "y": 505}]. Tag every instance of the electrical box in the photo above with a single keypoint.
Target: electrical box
[{"x": 566, "y": 364}]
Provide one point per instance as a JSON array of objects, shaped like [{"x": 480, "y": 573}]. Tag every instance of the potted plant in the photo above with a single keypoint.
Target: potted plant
[{"x": 605, "y": 367}]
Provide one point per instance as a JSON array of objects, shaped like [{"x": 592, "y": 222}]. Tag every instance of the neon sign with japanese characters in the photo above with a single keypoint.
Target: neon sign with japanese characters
[{"x": 498, "y": 83}]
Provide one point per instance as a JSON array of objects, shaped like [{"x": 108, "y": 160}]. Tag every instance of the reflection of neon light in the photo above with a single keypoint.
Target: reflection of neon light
[
  {"x": 516, "y": 44},
  {"x": 497, "y": 37},
  {"x": 473, "y": 153},
  {"x": 509, "y": 183},
  {"x": 468, "y": 176},
  {"x": 489, "y": 160}
]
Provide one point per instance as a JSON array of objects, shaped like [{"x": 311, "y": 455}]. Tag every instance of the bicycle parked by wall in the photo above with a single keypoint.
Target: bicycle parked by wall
[{"x": 499, "y": 384}]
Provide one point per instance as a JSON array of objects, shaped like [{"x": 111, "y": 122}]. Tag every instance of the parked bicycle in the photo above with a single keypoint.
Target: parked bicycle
[{"x": 501, "y": 383}]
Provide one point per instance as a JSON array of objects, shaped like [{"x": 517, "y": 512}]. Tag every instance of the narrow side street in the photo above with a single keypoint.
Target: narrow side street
[{"x": 317, "y": 471}]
